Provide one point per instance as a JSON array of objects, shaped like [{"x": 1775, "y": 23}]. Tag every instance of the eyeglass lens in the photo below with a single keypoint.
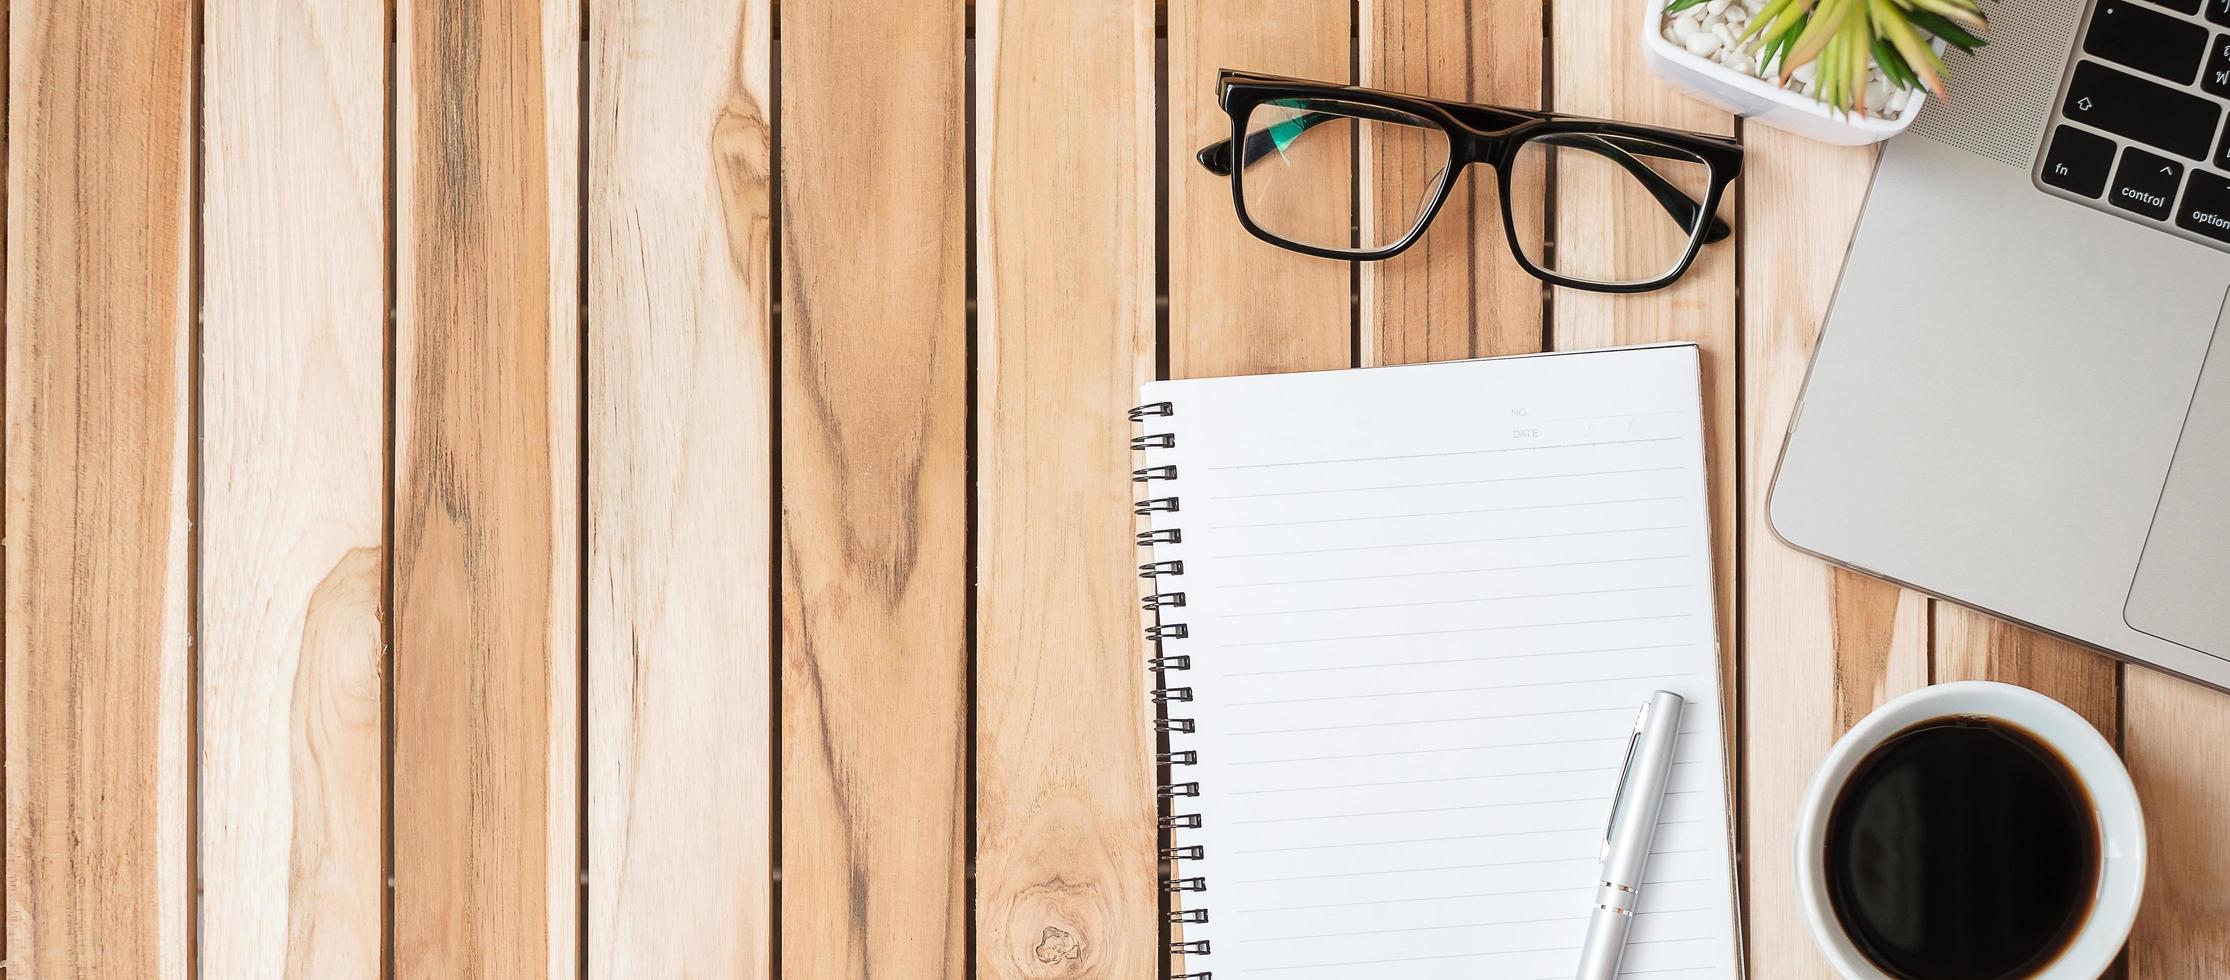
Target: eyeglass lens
[
  {"x": 1614, "y": 210},
  {"x": 1297, "y": 171}
]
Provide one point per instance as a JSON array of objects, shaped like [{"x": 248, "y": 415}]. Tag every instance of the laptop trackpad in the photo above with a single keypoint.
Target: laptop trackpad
[{"x": 2182, "y": 591}]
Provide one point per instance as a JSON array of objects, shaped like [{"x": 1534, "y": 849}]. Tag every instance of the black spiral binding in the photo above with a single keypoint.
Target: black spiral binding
[{"x": 1159, "y": 600}]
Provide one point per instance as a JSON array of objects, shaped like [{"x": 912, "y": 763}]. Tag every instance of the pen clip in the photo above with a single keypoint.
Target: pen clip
[{"x": 1625, "y": 769}]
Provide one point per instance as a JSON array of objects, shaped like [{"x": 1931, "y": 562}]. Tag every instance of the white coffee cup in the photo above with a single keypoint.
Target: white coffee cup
[{"x": 2121, "y": 824}]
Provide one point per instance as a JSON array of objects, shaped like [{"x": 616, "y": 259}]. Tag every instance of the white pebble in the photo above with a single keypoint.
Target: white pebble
[
  {"x": 1897, "y": 101},
  {"x": 1877, "y": 96},
  {"x": 1683, "y": 28},
  {"x": 1716, "y": 8},
  {"x": 1736, "y": 17},
  {"x": 1740, "y": 61},
  {"x": 1702, "y": 43},
  {"x": 1725, "y": 33},
  {"x": 1803, "y": 73}
]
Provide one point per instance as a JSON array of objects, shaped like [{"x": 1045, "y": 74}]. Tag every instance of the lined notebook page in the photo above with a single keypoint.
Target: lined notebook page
[{"x": 1424, "y": 605}]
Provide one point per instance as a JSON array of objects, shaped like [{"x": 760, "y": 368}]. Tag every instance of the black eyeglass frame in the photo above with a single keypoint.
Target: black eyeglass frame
[{"x": 1477, "y": 133}]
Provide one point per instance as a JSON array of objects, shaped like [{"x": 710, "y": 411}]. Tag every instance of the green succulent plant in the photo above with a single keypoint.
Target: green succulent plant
[{"x": 1841, "y": 38}]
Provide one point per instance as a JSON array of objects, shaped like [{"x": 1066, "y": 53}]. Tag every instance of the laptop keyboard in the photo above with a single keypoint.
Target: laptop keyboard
[{"x": 2140, "y": 129}]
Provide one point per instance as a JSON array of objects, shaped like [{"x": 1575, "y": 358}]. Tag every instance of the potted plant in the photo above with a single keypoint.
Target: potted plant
[{"x": 1839, "y": 71}]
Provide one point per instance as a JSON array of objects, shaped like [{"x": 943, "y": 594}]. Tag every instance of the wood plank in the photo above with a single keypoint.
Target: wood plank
[
  {"x": 874, "y": 474},
  {"x": 1971, "y": 645},
  {"x": 680, "y": 490},
  {"x": 487, "y": 469},
  {"x": 1224, "y": 317},
  {"x": 1596, "y": 74},
  {"x": 1065, "y": 838},
  {"x": 1821, "y": 646},
  {"x": 1459, "y": 292},
  {"x": 1238, "y": 305},
  {"x": 97, "y": 657},
  {"x": 293, "y": 564},
  {"x": 2173, "y": 732}
]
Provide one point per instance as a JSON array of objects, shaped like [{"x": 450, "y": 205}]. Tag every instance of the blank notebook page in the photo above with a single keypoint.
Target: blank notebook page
[{"x": 1422, "y": 608}]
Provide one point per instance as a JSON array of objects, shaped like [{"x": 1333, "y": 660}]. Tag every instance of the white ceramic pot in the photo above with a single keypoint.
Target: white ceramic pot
[
  {"x": 1758, "y": 100},
  {"x": 2121, "y": 824}
]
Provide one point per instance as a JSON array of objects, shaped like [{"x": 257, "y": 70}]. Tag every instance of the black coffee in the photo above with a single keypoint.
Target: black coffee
[{"x": 1961, "y": 849}]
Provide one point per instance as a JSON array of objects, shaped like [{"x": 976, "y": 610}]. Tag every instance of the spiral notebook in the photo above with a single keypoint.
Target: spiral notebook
[{"x": 1402, "y": 620}]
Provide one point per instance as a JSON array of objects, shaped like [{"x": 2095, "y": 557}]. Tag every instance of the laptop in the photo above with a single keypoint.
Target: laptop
[{"x": 2021, "y": 398}]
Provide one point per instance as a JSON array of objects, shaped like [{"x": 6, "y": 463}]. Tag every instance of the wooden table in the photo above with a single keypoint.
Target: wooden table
[{"x": 738, "y": 483}]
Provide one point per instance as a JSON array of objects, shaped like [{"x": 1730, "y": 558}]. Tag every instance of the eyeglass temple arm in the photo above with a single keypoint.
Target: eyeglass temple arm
[{"x": 1216, "y": 157}]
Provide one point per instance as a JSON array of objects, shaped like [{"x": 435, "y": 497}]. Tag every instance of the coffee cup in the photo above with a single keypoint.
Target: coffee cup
[{"x": 1869, "y": 837}]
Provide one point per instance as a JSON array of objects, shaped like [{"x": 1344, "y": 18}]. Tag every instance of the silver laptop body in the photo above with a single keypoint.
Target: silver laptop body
[{"x": 2021, "y": 397}]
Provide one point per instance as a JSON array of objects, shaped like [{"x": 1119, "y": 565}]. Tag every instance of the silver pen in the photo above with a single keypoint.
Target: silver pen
[{"x": 1626, "y": 838}]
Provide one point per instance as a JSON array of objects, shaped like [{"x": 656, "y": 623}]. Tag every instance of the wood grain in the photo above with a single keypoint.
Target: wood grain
[
  {"x": 487, "y": 489},
  {"x": 1458, "y": 292},
  {"x": 98, "y": 488},
  {"x": 2173, "y": 732},
  {"x": 1597, "y": 74},
  {"x": 1065, "y": 838},
  {"x": 874, "y": 474},
  {"x": 680, "y": 402},
  {"x": 1821, "y": 646},
  {"x": 1238, "y": 305},
  {"x": 293, "y": 562},
  {"x": 1971, "y": 645}
]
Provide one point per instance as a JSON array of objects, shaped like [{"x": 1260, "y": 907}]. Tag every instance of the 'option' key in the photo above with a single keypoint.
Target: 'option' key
[{"x": 2206, "y": 206}]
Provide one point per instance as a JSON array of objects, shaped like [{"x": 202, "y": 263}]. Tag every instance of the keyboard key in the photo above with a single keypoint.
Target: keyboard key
[
  {"x": 2206, "y": 206},
  {"x": 2216, "y": 78},
  {"x": 2181, "y": 6},
  {"x": 2219, "y": 11},
  {"x": 2146, "y": 183},
  {"x": 2078, "y": 161},
  {"x": 2148, "y": 112},
  {"x": 2145, "y": 39}
]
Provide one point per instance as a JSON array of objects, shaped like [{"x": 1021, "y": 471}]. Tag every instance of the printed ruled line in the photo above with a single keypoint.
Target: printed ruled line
[
  {"x": 1576, "y": 917},
  {"x": 1417, "y": 959},
  {"x": 1459, "y": 452},
  {"x": 1452, "y": 571},
  {"x": 1455, "y": 690},
  {"x": 1449, "y": 513},
  {"x": 1466, "y": 629},
  {"x": 1421, "y": 782},
  {"x": 1596, "y": 828},
  {"x": 1459, "y": 602},
  {"x": 1443, "y": 779},
  {"x": 1454, "y": 898},
  {"x": 1445, "y": 483},
  {"x": 1592, "y": 828},
  {"x": 1583, "y": 858},
  {"x": 1435, "y": 721},
  {"x": 1463, "y": 748},
  {"x": 1479, "y": 955},
  {"x": 1443, "y": 544},
  {"x": 1429, "y": 809},
  {"x": 1618, "y": 415},
  {"x": 1449, "y": 809},
  {"x": 1456, "y": 660}
]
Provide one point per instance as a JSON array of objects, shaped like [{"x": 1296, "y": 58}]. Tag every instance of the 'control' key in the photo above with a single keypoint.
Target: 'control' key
[{"x": 2146, "y": 183}]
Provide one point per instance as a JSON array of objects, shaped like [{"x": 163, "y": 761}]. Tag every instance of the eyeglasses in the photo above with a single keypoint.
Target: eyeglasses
[{"x": 1587, "y": 203}]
